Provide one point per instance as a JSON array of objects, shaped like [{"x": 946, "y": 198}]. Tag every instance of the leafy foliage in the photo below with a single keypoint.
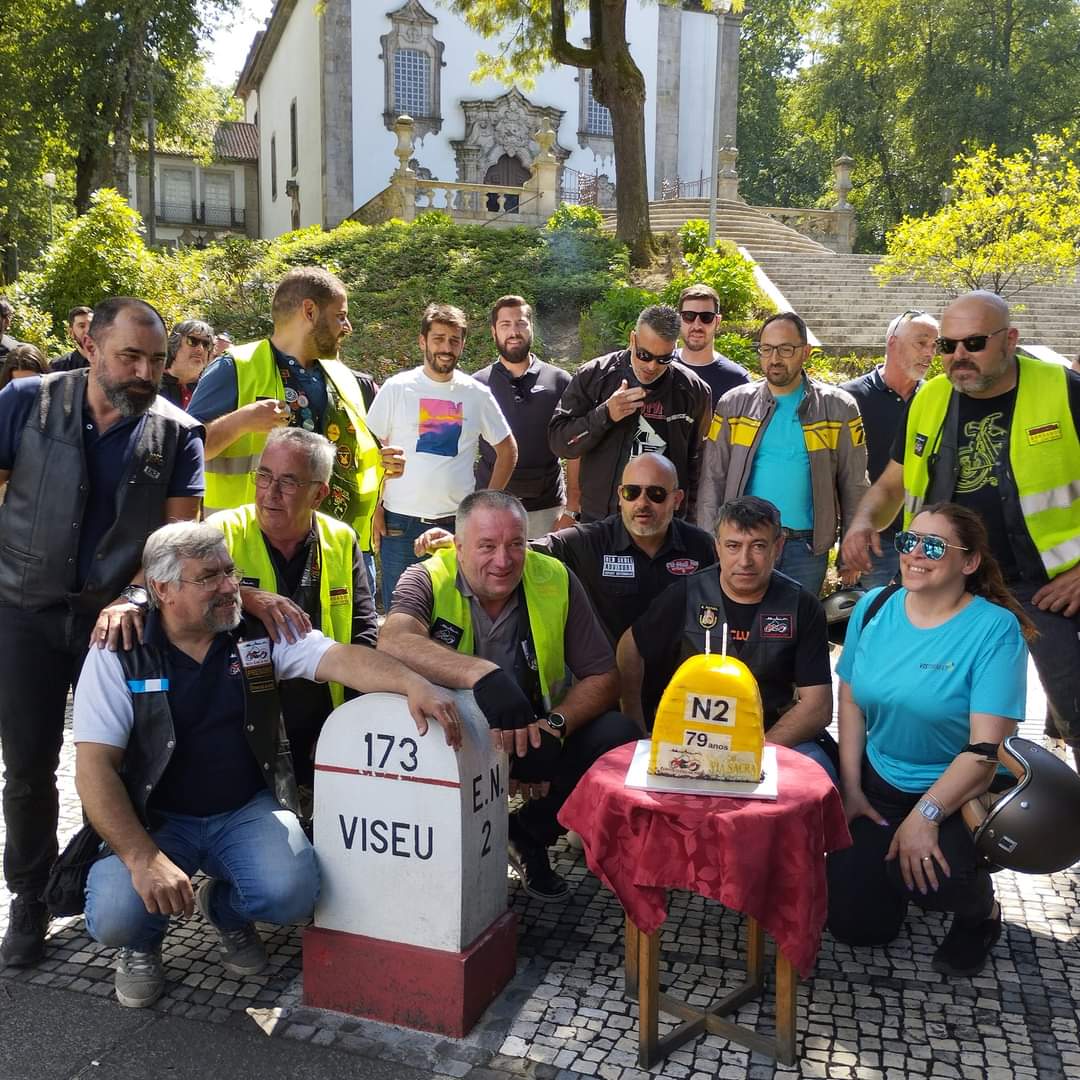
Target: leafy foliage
[
  {"x": 1011, "y": 223},
  {"x": 568, "y": 216},
  {"x": 607, "y": 324}
]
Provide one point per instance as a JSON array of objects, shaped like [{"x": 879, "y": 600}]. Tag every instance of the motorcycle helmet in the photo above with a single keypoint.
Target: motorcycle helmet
[
  {"x": 838, "y": 608},
  {"x": 1033, "y": 827}
]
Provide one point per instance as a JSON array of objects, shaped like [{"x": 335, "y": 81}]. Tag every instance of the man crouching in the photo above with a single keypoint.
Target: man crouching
[{"x": 182, "y": 763}]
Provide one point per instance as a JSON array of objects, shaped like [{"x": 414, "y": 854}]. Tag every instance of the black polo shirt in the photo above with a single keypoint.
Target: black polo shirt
[
  {"x": 620, "y": 578},
  {"x": 528, "y": 402}
]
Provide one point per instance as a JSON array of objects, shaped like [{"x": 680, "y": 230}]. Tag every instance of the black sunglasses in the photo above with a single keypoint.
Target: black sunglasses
[
  {"x": 972, "y": 343},
  {"x": 706, "y": 317},
  {"x": 198, "y": 342},
  {"x": 647, "y": 357},
  {"x": 655, "y": 492}
]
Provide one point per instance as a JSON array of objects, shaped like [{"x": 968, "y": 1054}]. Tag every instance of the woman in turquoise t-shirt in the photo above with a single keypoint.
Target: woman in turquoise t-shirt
[{"x": 928, "y": 690}]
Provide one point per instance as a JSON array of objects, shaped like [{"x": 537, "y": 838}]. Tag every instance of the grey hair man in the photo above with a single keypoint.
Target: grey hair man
[
  {"x": 171, "y": 736},
  {"x": 632, "y": 401},
  {"x": 307, "y": 568},
  {"x": 190, "y": 345},
  {"x": 882, "y": 395}
]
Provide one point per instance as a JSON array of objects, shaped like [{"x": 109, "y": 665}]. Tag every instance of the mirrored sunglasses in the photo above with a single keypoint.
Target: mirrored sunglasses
[
  {"x": 933, "y": 546},
  {"x": 654, "y": 492}
]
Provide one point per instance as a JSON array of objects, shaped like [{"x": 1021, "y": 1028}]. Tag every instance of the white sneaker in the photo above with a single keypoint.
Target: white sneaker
[
  {"x": 140, "y": 978},
  {"x": 242, "y": 950}
]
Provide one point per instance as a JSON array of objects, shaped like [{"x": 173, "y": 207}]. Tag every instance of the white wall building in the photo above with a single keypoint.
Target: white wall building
[{"x": 325, "y": 82}]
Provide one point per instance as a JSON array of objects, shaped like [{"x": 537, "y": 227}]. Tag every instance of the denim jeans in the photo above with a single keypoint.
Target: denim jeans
[
  {"x": 799, "y": 562},
  {"x": 369, "y": 566},
  {"x": 396, "y": 551},
  {"x": 886, "y": 565},
  {"x": 259, "y": 851},
  {"x": 816, "y": 752}
]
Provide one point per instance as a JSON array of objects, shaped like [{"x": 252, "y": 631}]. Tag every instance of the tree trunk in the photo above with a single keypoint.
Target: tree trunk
[
  {"x": 89, "y": 172},
  {"x": 132, "y": 84}
]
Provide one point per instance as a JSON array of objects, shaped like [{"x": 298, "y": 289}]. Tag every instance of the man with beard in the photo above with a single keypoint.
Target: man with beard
[
  {"x": 628, "y": 559},
  {"x": 527, "y": 390},
  {"x": 292, "y": 378},
  {"x": 93, "y": 460},
  {"x": 630, "y": 402},
  {"x": 437, "y": 414},
  {"x": 78, "y": 322},
  {"x": 998, "y": 433},
  {"x": 794, "y": 441},
  {"x": 182, "y": 764},
  {"x": 699, "y": 312}
]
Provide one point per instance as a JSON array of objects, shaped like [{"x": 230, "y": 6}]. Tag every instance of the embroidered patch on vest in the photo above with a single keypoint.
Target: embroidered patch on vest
[
  {"x": 1043, "y": 433},
  {"x": 619, "y": 566},
  {"x": 920, "y": 444},
  {"x": 682, "y": 566},
  {"x": 254, "y": 653},
  {"x": 708, "y": 616},
  {"x": 339, "y": 596},
  {"x": 251, "y": 581},
  {"x": 446, "y": 633},
  {"x": 147, "y": 686},
  {"x": 776, "y": 626}
]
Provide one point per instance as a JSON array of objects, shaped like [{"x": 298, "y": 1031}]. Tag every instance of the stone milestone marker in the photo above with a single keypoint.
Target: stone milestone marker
[{"x": 412, "y": 925}]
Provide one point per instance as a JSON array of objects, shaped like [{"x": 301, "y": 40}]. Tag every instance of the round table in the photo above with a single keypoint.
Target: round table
[{"x": 761, "y": 857}]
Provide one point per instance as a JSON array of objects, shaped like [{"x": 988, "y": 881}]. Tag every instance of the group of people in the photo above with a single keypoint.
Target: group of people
[{"x": 556, "y": 544}]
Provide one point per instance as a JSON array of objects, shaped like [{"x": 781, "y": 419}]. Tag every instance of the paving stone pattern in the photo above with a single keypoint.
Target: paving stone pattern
[{"x": 866, "y": 1013}]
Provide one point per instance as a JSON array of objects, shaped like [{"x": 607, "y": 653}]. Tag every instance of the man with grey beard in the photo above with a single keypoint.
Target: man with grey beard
[
  {"x": 182, "y": 763},
  {"x": 92, "y": 461}
]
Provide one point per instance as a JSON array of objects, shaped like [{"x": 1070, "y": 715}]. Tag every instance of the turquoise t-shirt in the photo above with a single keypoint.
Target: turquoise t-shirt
[
  {"x": 781, "y": 469},
  {"x": 918, "y": 688}
]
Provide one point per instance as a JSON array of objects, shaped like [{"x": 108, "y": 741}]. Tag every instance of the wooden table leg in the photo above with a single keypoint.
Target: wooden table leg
[
  {"x": 648, "y": 996},
  {"x": 630, "y": 962},
  {"x": 787, "y": 984},
  {"x": 755, "y": 952}
]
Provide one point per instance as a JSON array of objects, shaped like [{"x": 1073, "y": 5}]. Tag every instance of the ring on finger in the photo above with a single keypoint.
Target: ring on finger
[{"x": 927, "y": 858}]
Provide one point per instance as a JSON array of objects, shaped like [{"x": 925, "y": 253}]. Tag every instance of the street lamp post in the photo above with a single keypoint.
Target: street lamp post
[
  {"x": 49, "y": 180},
  {"x": 721, "y": 7}
]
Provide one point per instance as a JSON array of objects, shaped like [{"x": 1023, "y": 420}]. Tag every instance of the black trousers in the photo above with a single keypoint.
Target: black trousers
[
  {"x": 41, "y": 654},
  {"x": 538, "y": 816},
  {"x": 867, "y": 896}
]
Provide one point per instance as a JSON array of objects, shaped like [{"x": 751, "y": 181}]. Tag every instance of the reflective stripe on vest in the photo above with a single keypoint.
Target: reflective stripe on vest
[
  {"x": 547, "y": 598},
  {"x": 247, "y": 547},
  {"x": 228, "y": 476},
  {"x": 1044, "y": 457}
]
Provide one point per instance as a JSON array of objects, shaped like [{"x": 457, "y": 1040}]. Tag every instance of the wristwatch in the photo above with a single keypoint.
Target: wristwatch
[
  {"x": 573, "y": 515},
  {"x": 930, "y": 810},
  {"x": 557, "y": 723},
  {"x": 135, "y": 594}
]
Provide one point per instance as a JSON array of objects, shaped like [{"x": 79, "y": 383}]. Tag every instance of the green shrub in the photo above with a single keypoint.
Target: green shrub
[
  {"x": 731, "y": 276},
  {"x": 694, "y": 238},
  {"x": 738, "y": 347},
  {"x": 579, "y": 218},
  {"x": 607, "y": 324}
]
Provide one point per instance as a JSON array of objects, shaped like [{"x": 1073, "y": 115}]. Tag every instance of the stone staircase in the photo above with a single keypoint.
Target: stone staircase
[
  {"x": 848, "y": 310},
  {"x": 735, "y": 221}
]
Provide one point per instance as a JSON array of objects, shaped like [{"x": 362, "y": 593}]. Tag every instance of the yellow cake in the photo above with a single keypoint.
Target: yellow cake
[{"x": 709, "y": 724}]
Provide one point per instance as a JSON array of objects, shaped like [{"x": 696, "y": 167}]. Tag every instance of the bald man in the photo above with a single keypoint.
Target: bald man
[
  {"x": 627, "y": 559},
  {"x": 998, "y": 433}
]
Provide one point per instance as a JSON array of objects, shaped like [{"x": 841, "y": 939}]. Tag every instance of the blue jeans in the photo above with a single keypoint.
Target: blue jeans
[
  {"x": 369, "y": 566},
  {"x": 259, "y": 852},
  {"x": 816, "y": 752},
  {"x": 396, "y": 551},
  {"x": 886, "y": 565},
  {"x": 799, "y": 562}
]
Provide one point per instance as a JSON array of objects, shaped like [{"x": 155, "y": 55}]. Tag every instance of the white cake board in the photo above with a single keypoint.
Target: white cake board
[{"x": 637, "y": 776}]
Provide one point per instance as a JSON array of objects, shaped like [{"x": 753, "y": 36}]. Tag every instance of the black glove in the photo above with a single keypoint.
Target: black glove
[
  {"x": 539, "y": 762},
  {"x": 501, "y": 700}
]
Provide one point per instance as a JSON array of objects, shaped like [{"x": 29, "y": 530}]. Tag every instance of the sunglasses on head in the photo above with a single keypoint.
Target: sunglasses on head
[
  {"x": 972, "y": 343},
  {"x": 654, "y": 492},
  {"x": 706, "y": 317},
  {"x": 198, "y": 342},
  {"x": 647, "y": 357},
  {"x": 933, "y": 546}
]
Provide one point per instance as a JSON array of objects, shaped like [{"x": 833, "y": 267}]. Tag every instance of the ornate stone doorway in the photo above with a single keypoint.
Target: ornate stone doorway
[{"x": 506, "y": 172}]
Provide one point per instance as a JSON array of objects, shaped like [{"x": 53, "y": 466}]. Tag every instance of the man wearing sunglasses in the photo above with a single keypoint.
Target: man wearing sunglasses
[
  {"x": 882, "y": 395},
  {"x": 998, "y": 433},
  {"x": 189, "y": 352},
  {"x": 794, "y": 441},
  {"x": 699, "y": 311},
  {"x": 631, "y": 402}
]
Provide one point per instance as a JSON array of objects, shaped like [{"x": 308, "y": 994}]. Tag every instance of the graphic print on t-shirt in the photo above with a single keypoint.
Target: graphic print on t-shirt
[
  {"x": 647, "y": 440},
  {"x": 439, "y": 427},
  {"x": 978, "y": 455}
]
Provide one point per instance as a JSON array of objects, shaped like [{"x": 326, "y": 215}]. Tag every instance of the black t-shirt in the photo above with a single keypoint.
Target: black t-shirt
[
  {"x": 658, "y": 635},
  {"x": 722, "y": 375}
]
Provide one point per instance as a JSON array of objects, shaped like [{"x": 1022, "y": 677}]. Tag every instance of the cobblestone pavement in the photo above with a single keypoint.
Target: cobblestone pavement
[{"x": 865, "y": 1013}]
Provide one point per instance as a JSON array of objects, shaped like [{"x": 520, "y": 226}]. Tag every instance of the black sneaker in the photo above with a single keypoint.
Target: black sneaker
[
  {"x": 967, "y": 946},
  {"x": 24, "y": 942},
  {"x": 529, "y": 861}
]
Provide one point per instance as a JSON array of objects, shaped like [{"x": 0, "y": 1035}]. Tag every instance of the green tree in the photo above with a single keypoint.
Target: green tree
[{"x": 1010, "y": 223}]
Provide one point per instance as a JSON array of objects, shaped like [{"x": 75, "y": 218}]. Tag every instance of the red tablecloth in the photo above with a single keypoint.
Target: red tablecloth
[{"x": 766, "y": 859}]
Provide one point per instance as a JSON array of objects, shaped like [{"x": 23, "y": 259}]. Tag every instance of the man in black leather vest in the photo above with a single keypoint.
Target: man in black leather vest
[
  {"x": 93, "y": 461},
  {"x": 182, "y": 763},
  {"x": 774, "y": 626}
]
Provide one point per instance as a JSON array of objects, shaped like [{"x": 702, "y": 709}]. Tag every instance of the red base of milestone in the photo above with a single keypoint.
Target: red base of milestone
[{"x": 426, "y": 989}]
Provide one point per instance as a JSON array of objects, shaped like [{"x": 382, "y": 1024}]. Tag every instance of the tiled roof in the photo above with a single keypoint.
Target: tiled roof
[{"x": 236, "y": 141}]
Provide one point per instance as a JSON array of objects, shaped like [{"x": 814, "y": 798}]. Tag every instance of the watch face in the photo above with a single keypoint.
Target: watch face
[{"x": 557, "y": 721}]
